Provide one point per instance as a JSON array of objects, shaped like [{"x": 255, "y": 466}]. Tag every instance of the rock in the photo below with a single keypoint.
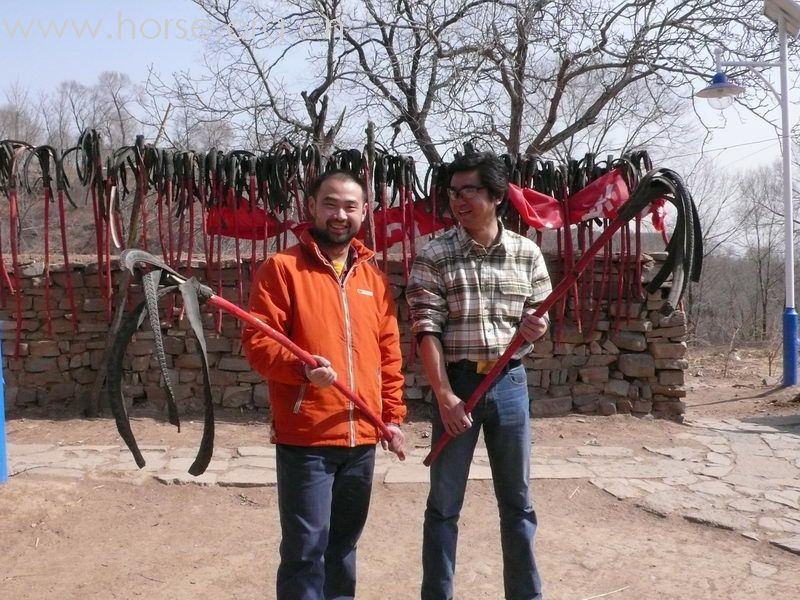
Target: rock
[
  {"x": 94, "y": 305},
  {"x": 759, "y": 569},
  {"x": 669, "y": 391},
  {"x": 668, "y": 406},
  {"x": 677, "y": 364},
  {"x": 636, "y": 365},
  {"x": 261, "y": 395},
  {"x": 41, "y": 365},
  {"x": 668, "y": 350},
  {"x": 232, "y": 363},
  {"x": 791, "y": 544},
  {"x": 594, "y": 374},
  {"x": 624, "y": 406},
  {"x": 607, "y": 407},
  {"x": 781, "y": 524},
  {"x": 670, "y": 378},
  {"x": 235, "y": 397},
  {"x": 629, "y": 340},
  {"x": 719, "y": 518},
  {"x": 610, "y": 347},
  {"x": 33, "y": 269},
  {"x": 44, "y": 348},
  {"x": 551, "y": 407},
  {"x": 617, "y": 387},
  {"x": 674, "y": 319}
]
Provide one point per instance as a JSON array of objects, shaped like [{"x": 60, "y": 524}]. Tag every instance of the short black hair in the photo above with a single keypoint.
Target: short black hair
[
  {"x": 340, "y": 174},
  {"x": 492, "y": 171}
]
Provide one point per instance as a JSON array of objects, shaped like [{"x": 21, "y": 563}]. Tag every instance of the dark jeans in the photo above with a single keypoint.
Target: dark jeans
[
  {"x": 504, "y": 415},
  {"x": 323, "y": 500}
]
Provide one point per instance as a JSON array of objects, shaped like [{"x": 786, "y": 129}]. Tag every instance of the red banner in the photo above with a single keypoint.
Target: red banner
[
  {"x": 658, "y": 213},
  {"x": 538, "y": 210},
  {"x": 244, "y": 223},
  {"x": 600, "y": 199},
  {"x": 389, "y": 226}
]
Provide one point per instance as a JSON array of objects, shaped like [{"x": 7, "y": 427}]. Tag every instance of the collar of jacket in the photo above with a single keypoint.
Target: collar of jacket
[
  {"x": 467, "y": 243},
  {"x": 362, "y": 253}
]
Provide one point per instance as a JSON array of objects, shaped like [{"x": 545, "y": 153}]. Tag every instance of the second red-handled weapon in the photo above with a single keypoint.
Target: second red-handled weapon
[
  {"x": 660, "y": 183},
  {"x": 171, "y": 280},
  {"x": 306, "y": 357}
]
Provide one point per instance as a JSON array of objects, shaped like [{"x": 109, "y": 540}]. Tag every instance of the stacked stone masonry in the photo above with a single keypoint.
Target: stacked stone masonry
[{"x": 633, "y": 363}]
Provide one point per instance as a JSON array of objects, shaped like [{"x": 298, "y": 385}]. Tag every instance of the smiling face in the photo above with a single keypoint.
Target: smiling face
[
  {"x": 337, "y": 212},
  {"x": 475, "y": 211}
]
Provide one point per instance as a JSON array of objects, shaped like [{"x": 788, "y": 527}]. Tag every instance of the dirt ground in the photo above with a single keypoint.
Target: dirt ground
[{"x": 116, "y": 540}]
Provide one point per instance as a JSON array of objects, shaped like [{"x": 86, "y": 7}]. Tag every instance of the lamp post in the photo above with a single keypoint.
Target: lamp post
[{"x": 720, "y": 94}]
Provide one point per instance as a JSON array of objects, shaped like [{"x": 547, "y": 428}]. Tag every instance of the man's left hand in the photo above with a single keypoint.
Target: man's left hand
[
  {"x": 532, "y": 327},
  {"x": 398, "y": 442}
]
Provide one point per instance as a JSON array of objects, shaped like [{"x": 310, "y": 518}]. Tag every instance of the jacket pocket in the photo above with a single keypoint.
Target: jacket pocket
[{"x": 300, "y": 397}]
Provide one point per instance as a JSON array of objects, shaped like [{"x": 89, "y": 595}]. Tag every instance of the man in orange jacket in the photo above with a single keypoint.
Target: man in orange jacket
[{"x": 328, "y": 297}]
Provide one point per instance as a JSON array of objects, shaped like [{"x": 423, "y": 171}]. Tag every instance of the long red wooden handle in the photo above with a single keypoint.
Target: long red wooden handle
[
  {"x": 564, "y": 285},
  {"x": 306, "y": 357}
]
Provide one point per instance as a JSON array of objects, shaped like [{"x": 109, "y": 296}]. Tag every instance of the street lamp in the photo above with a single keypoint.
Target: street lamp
[{"x": 720, "y": 94}]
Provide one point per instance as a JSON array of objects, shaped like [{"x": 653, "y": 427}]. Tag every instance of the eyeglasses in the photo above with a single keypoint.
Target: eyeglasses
[{"x": 467, "y": 192}]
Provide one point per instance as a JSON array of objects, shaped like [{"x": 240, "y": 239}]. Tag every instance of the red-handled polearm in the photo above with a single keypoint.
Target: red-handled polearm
[
  {"x": 635, "y": 204},
  {"x": 132, "y": 256},
  {"x": 307, "y": 358}
]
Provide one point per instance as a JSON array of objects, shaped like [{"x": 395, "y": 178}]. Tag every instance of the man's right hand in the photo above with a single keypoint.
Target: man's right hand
[
  {"x": 453, "y": 414},
  {"x": 323, "y": 375}
]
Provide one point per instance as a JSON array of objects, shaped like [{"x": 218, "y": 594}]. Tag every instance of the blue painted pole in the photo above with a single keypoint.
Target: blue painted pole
[
  {"x": 3, "y": 456},
  {"x": 789, "y": 347}
]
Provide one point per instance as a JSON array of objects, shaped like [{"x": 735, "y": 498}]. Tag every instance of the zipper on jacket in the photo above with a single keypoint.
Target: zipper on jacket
[
  {"x": 380, "y": 389},
  {"x": 300, "y": 396},
  {"x": 349, "y": 342},
  {"x": 348, "y": 339}
]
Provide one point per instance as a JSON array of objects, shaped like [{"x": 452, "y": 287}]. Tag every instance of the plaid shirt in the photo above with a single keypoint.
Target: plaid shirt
[{"x": 474, "y": 297}]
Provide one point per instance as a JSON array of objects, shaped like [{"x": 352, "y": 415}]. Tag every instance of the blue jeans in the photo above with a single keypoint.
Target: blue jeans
[
  {"x": 323, "y": 500},
  {"x": 504, "y": 415}
]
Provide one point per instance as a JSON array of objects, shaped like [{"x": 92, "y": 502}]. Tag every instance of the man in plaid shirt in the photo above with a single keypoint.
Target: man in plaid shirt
[{"x": 470, "y": 290}]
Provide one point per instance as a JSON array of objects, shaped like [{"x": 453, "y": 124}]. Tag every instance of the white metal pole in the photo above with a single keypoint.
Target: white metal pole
[{"x": 790, "y": 353}]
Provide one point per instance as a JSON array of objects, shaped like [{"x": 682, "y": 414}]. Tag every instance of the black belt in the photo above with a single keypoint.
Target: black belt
[{"x": 472, "y": 367}]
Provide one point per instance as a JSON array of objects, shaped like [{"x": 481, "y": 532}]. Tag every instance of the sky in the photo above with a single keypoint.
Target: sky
[
  {"x": 48, "y": 41},
  {"x": 51, "y": 41},
  {"x": 739, "y": 140}
]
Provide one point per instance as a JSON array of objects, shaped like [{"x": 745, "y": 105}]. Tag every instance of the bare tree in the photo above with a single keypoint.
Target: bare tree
[
  {"x": 19, "y": 120},
  {"x": 82, "y": 109},
  {"x": 715, "y": 194},
  {"x": 532, "y": 76},
  {"x": 58, "y": 129},
  {"x": 761, "y": 236},
  {"x": 115, "y": 98},
  {"x": 406, "y": 56},
  {"x": 253, "y": 49},
  {"x": 715, "y": 191},
  {"x": 555, "y": 69},
  {"x": 190, "y": 131}
]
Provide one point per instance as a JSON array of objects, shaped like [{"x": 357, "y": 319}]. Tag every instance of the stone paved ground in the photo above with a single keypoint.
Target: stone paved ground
[{"x": 738, "y": 475}]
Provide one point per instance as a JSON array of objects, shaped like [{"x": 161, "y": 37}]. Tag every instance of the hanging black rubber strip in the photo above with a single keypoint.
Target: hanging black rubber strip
[
  {"x": 130, "y": 323},
  {"x": 116, "y": 400},
  {"x": 190, "y": 289},
  {"x": 150, "y": 283},
  {"x": 685, "y": 248},
  {"x": 157, "y": 283}
]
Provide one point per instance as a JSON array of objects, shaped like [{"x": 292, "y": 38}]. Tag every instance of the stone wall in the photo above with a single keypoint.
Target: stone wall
[{"x": 626, "y": 365}]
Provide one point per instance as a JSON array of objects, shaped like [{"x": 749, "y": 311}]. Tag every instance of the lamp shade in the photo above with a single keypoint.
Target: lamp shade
[{"x": 720, "y": 87}]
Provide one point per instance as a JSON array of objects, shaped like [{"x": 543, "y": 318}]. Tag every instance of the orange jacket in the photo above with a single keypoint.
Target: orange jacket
[{"x": 351, "y": 322}]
